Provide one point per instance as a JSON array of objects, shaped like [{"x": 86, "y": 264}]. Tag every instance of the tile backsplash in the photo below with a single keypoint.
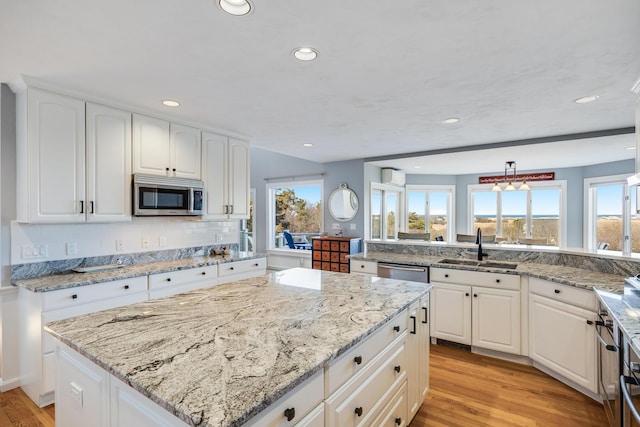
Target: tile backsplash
[{"x": 34, "y": 243}]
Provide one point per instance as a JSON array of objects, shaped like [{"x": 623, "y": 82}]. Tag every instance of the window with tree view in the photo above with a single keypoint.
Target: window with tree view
[
  {"x": 429, "y": 210},
  {"x": 295, "y": 207}
]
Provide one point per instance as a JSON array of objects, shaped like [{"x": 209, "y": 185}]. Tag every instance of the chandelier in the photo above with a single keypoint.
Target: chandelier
[{"x": 510, "y": 178}]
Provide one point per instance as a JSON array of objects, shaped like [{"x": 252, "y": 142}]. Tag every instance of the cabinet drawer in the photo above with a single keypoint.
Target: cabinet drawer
[
  {"x": 344, "y": 246},
  {"x": 565, "y": 293},
  {"x": 230, "y": 268},
  {"x": 476, "y": 278},
  {"x": 335, "y": 246},
  {"x": 358, "y": 266},
  {"x": 180, "y": 277},
  {"x": 360, "y": 400},
  {"x": 360, "y": 356},
  {"x": 100, "y": 291},
  {"x": 314, "y": 419},
  {"x": 394, "y": 413},
  {"x": 298, "y": 403},
  {"x": 326, "y": 246}
]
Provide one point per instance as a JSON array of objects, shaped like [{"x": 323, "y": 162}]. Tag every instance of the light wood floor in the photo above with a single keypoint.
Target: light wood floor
[
  {"x": 470, "y": 390},
  {"x": 465, "y": 390}
]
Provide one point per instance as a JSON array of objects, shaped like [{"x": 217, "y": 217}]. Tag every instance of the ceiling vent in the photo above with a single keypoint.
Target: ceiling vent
[{"x": 393, "y": 177}]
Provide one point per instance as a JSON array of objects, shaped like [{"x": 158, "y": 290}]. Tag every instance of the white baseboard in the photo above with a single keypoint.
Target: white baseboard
[{"x": 6, "y": 385}]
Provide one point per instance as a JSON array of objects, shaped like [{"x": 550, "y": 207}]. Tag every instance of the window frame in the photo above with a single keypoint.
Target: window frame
[
  {"x": 271, "y": 207},
  {"x": 383, "y": 213},
  {"x": 451, "y": 209},
  {"x": 590, "y": 235},
  {"x": 560, "y": 185}
]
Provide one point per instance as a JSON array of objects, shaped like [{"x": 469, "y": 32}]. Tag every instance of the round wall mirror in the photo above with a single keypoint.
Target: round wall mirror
[{"x": 343, "y": 203}]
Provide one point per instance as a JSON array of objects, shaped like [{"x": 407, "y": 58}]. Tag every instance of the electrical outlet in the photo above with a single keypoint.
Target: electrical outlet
[
  {"x": 145, "y": 243},
  {"x": 72, "y": 248},
  {"x": 27, "y": 251},
  {"x": 162, "y": 241},
  {"x": 335, "y": 226},
  {"x": 119, "y": 245},
  {"x": 353, "y": 226}
]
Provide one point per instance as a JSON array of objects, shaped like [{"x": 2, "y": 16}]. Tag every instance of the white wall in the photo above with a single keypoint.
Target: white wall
[{"x": 100, "y": 239}]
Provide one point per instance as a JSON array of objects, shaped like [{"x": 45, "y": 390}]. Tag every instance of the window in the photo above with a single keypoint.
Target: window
[
  {"x": 295, "y": 207},
  {"x": 247, "y": 230},
  {"x": 386, "y": 214},
  {"x": 611, "y": 218},
  {"x": 430, "y": 210},
  {"x": 516, "y": 215}
]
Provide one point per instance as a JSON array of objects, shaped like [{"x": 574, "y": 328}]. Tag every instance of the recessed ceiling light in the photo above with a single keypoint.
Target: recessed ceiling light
[
  {"x": 307, "y": 144},
  {"x": 450, "y": 120},
  {"x": 586, "y": 99},
  {"x": 170, "y": 103},
  {"x": 305, "y": 53},
  {"x": 236, "y": 7},
  {"x": 633, "y": 147}
]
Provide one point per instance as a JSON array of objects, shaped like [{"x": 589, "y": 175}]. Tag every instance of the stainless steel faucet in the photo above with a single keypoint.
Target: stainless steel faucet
[{"x": 479, "y": 243}]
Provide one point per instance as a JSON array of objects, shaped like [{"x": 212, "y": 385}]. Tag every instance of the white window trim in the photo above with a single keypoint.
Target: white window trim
[
  {"x": 401, "y": 204},
  {"x": 451, "y": 220},
  {"x": 539, "y": 185},
  {"x": 590, "y": 229},
  {"x": 271, "y": 206}
]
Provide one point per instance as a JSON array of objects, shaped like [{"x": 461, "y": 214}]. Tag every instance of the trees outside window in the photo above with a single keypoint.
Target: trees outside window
[
  {"x": 430, "y": 210},
  {"x": 386, "y": 211},
  {"x": 295, "y": 207}
]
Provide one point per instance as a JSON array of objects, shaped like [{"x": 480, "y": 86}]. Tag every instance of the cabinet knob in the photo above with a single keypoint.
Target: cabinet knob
[
  {"x": 398, "y": 421},
  {"x": 475, "y": 295},
  {"x": 290, "y": 413},
  {"x": 446, "y": 275},
  {"x": 168, "y": 279},
  {"x": 358, "y": 411},
  {"x": 589, "y": 322},
  {"x": 557, "y": 291},
  {"x": 497, "y": 280},
  {"x": 167, "y": 169},
  {"x": 174, "y": 169},
  {"x": 396, "y": 328},
  {"x": 126, "y": 286},
  {"x": 230, "y": 268},
  {"x": 396, "y": 368},
  {"x": 74, "y": 296},
  {"x": 466, "y": 294},
  {"x": 204, "y": 273},
  {"x": 256, "y": 265},
  {"x": 357, "y": 360}
]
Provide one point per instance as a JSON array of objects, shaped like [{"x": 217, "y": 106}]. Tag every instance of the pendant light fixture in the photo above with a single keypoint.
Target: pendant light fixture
[{"x": 509, "y": 179}]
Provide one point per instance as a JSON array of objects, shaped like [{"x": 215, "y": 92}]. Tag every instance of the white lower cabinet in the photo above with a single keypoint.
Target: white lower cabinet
[
  {"x": 175, "y": 282},
  {"x": 394, "y": 413},
  {"x": 486, "y": 316},
  {"x": 363, "y": 267},
  {"x": 232, "y": 271},
  {"x": 562, "y": 339}
]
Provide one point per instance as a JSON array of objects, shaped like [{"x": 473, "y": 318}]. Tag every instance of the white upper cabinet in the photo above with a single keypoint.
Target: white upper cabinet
[
  {"x": 225, "y": 167},
  {"x": 165, "y": 149},
  {"x": 51, "y": 165},
  {"x": 108, "y": 164}
]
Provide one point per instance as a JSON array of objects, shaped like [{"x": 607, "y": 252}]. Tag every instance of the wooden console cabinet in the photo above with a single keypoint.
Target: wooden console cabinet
[{"x": 331, "y": 253}]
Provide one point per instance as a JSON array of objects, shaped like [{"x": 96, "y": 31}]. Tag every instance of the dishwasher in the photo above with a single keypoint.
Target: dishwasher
[{"x": 414, "y": 273}]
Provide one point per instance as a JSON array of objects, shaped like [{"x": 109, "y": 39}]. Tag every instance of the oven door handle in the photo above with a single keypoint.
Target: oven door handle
[
  {"x": 609, "y": 347},
  {"x": 627, "y": 396}
]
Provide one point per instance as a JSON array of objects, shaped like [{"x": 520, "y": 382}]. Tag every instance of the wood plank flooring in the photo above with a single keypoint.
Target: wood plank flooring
[
  {"x": 465, "y": 390},
  {"x": 471, "y": 390}
]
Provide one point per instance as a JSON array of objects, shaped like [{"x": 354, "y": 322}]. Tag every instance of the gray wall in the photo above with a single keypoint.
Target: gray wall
[{"x": 267, "y": 164}]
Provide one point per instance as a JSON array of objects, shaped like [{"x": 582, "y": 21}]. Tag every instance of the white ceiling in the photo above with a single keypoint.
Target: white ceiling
[{"x": 387, "y": 74}]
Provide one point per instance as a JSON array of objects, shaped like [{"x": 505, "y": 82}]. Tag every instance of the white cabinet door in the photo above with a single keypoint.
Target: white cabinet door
[
  {"x": 108, "y": 171},
  {"x": 496, "y": 319},
  {"x": 413, "y": 359},
  {"x": 215, "y": 174},
  {"x": 185, "y": 151},
  {"x": 225, "y": 172},
  {"x": 562, "y": 340},
  {"x": 238, "y": 179},
  {"x": 151, "y": 146},
  {"x": 56, "y": 158},
  {"x": 451, "y": 312},
  {"x": 423, "y": 328}
]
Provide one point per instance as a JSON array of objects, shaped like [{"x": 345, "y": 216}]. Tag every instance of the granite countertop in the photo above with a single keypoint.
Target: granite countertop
[
  {"x": 572, "y": 276},
  {"x": 627, "y": 318},
  {"x": 70, "y": 280},
  {"x": 218, "y": 356}
]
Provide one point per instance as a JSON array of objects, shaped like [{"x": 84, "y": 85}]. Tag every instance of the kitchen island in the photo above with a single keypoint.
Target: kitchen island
[{"x": 221, "y": 355}]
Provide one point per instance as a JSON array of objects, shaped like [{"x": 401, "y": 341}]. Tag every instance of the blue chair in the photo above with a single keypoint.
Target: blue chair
[{"x": 295, "y": 245}]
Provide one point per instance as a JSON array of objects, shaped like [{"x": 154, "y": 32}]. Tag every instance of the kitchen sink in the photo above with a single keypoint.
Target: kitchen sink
[
  {"x": 497, "y": 264},
  {"x": 458, "y": 261}
]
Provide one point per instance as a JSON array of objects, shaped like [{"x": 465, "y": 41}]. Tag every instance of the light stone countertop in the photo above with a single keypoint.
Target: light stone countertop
[
  {"x": 627, "y": 318},
  {"x": 572, "y": 276},
  {"x": 70, "y": 280},
  {"x": 218, "y": 356}
]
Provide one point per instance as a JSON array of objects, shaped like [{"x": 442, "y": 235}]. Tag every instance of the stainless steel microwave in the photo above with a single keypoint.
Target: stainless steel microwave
[{"x": 164, "y": 196}]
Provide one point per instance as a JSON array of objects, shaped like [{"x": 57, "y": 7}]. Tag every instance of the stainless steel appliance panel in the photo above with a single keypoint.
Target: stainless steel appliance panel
[{"x": 403, "y": 272}]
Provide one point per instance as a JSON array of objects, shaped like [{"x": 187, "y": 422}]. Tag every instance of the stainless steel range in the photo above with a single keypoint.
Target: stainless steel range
[{"x": 630, "y": 361}]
